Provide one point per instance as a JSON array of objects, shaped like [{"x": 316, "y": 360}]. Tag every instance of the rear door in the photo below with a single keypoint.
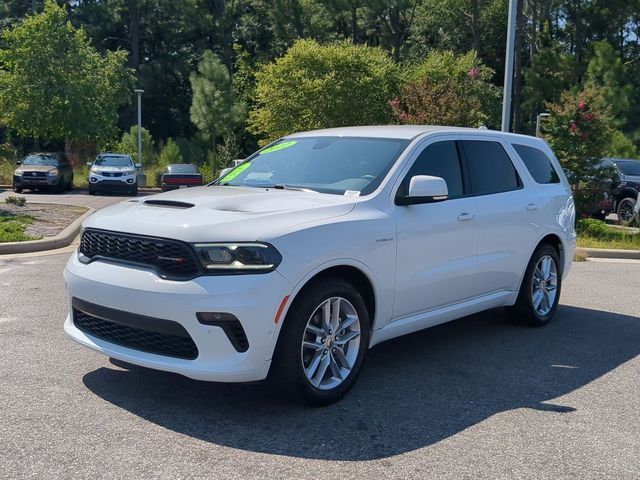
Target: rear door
[{"x": 507, "y": 213}]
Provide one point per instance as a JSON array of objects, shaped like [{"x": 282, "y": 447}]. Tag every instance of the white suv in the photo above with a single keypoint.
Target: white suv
[{"x": 318, "y": 247}]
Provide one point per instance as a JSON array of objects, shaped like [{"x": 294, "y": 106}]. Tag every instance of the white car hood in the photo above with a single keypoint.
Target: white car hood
[{"x": 220, "y": 214}]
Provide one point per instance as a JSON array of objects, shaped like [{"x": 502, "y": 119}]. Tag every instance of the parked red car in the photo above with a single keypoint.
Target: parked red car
[{"x": 180, "y": 175}]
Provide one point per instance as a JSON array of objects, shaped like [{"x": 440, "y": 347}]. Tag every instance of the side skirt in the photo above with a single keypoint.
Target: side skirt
[{"x": 432, "y": 318}]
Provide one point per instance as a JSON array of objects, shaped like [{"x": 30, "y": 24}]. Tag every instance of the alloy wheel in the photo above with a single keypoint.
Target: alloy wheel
[
  {"x": 330, "y": 343},
  {"x": 544, "y": 287}
]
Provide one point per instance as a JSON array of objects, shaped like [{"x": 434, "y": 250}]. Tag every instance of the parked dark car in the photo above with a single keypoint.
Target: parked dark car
[
  {"x": 620, "y": 193},
  {"x": 43, "y": 171},
  {"x": 180, "y": 175}
]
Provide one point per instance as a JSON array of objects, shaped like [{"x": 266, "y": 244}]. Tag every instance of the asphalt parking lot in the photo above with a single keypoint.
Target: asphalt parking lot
[
  {"x": 75, "y": 197},
  {"x": 476, "y": 398}
]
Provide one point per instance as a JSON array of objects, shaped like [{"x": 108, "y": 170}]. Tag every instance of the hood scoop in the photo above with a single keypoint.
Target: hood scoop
[{"x": 169, "y": 204}]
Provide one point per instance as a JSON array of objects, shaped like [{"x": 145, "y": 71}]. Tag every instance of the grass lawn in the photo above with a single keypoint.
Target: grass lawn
[
  {"x": 596, "y": 234},
  {"x": 12, "y": 227}
]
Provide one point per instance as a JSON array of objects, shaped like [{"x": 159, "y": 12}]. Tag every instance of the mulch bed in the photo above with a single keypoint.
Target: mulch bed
[{"x": 49, "y": 220}]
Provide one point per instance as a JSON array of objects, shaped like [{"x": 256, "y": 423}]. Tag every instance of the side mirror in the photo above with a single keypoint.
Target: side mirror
[
  {"x": 138, "y": 165},
  {"x": 424, "y": 189},
  {"x": 89, "y": 164},
  {"x": 224, "y": 171},
  {"x": 18, "y": 162}
]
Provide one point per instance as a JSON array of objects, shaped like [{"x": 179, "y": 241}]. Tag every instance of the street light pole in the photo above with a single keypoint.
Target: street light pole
[
  {"x": 508, "y": 65},
  {"x": 539, "y": 121},
  {"x": 139, "y": 94}
]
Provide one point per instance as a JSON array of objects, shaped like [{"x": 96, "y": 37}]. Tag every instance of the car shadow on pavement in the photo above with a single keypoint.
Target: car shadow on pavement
[{"x": 414, "y": 391}]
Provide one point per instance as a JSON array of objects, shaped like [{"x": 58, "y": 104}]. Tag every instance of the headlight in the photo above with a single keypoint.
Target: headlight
[
  {"x": 53, "y": 173},
  {"x": 128, "y": 172},
  {"x": 18, "y": 172},
  {"x": 94, "y": 170},
  {"x": 238, "y": 257}
]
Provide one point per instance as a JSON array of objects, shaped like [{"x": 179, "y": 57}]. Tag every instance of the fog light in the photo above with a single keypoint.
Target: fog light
[
  {"x": 129, "y": 180},
  {"x": 93, "y": 179}
]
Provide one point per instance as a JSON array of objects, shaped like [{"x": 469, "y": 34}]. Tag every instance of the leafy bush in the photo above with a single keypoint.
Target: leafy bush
[
  {"x": 320, "y": 86},
  {"x": 129, "y": 145},
  {"x": 170, "y": 154},
  {"x": 447, "y": 89},
  {"x": 579, "y": 132},
  {"x": 596, "y": 233},
  {"x": 18, "y": 201},
  {"x": 6, "y": 172},
  {"x": 12, "y": 227}
]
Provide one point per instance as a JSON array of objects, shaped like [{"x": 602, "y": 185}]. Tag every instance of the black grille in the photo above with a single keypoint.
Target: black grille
[
  {"x": 170, "y": 258},
  {"x": 111, "y": 174},
  {"x": 34, "y": 174},
  {"x": 172, "y": 340}
]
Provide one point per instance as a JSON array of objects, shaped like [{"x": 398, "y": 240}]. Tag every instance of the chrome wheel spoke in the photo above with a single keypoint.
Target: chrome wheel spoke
[
  {"x": 348, "y": 321},
  {"x": 347, "y": 337},
  {"x": 335, "y": 368},
  {"x": 326, "y": 316},
  {"x": 312, "y": 345},
  {"x": 341, "y": 359},
  {"x": 312, "y": 329},
  {"x": 537, "y": 298},
  {"x": 321, "y": 370},
  {"x": 313, "y": 366},
  {"x": 335, "y": 314}
]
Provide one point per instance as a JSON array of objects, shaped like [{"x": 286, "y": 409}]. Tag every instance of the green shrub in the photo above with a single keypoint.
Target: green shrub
[
  {"x": 170, "y": 154},
  {"x": 597, "y": 234},
  {"x": 18, "y": 201},
  {"x": 12, "y": 227},
  {"x": 319, "y": 86},
  {"x": 6, "y": 172}
]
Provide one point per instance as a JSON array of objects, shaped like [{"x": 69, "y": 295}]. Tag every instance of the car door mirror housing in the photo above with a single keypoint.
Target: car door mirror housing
[
  {"x": 138, "y": 165},
  {"x": 19, "y": 162},
  {"x": 89, "y": 164},
  {"x": 424, "y": 189}
]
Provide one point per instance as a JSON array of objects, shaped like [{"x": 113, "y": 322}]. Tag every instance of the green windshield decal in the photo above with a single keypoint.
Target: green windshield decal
[
  {"x": 235, "y": 172},
  {"x": 279, "y": 146}
]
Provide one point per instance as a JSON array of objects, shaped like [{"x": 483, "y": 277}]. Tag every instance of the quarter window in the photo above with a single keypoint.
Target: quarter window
[
  {"x": 439, "y": 159},
  {"x": 538, "y": 164},
  {"x": 490, "y": 168}
]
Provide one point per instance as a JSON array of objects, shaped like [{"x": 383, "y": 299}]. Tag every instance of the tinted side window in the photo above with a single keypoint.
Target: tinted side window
[
  {"x": 490, "y": 168},
  {"x": 538, "y": 164},
  {"x": 439, "y": 160}
]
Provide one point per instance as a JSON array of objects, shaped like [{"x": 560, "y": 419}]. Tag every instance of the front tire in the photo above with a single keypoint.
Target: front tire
[
  {"x": 540, "y": 290},
  {"x": 323, "y": 342},
  {"x": 17, "y": 189}
]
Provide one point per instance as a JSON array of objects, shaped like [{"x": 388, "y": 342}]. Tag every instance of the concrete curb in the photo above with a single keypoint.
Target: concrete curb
[
  {"x": 610, "y": 253},
  {"x": 63, "y": 239}
]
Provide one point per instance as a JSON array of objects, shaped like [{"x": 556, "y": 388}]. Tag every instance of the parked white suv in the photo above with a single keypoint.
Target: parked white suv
[{"x": 320, "y": 246}]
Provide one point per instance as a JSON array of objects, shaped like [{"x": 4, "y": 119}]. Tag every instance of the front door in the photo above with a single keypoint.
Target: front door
[{"x": 436, "y": 242}]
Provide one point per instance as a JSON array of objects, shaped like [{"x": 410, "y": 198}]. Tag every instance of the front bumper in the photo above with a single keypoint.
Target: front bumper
[
  {"x": 98, "y": 182},
  {"x": 253, "y": 299},
  {"x": 23, "y": 181}
]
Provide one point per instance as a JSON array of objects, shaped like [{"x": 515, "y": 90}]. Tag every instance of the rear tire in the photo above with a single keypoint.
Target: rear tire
[
  {"x": 540, "y": 290},
  {"x": 625, "y": 211},
  {"x": 318, "y": 361}
]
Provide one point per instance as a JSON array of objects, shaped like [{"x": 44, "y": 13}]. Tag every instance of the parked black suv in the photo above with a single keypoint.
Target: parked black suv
[
  {"x": 621, "y": 191},
  {"x": 43, "y": 171}
]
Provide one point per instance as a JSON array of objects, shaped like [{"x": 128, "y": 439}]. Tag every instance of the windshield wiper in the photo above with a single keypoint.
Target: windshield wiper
[{"x": 282, "y": 186}]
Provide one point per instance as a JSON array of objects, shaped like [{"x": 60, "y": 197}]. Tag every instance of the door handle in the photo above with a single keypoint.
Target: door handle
[
  {"x": 532, "y": 206},
  {"x": 464, "y": 216}
]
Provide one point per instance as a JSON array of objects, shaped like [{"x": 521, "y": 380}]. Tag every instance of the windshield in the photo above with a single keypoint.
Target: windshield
[
  {"x": 629, "y": 167},
  {"x": 43, "y": 160},
  {"x": 114, "y": 161},
  {"x": 181, "y": 168},
  {"x": 338, "y": 165}
]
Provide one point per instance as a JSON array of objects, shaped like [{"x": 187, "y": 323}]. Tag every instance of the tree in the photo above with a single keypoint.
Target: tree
[
  {"x": 315, "y": 86},
  {"x": 214, "y": 109},
  {"x": 607, "y": 71},
  {"x": 129, "y": 144},
  {"x": 447, "y": 89},
  {"x": 579, "y": 131},
  {"x": 54, "y": 84},
  {"x": 170, "y": 154}
]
